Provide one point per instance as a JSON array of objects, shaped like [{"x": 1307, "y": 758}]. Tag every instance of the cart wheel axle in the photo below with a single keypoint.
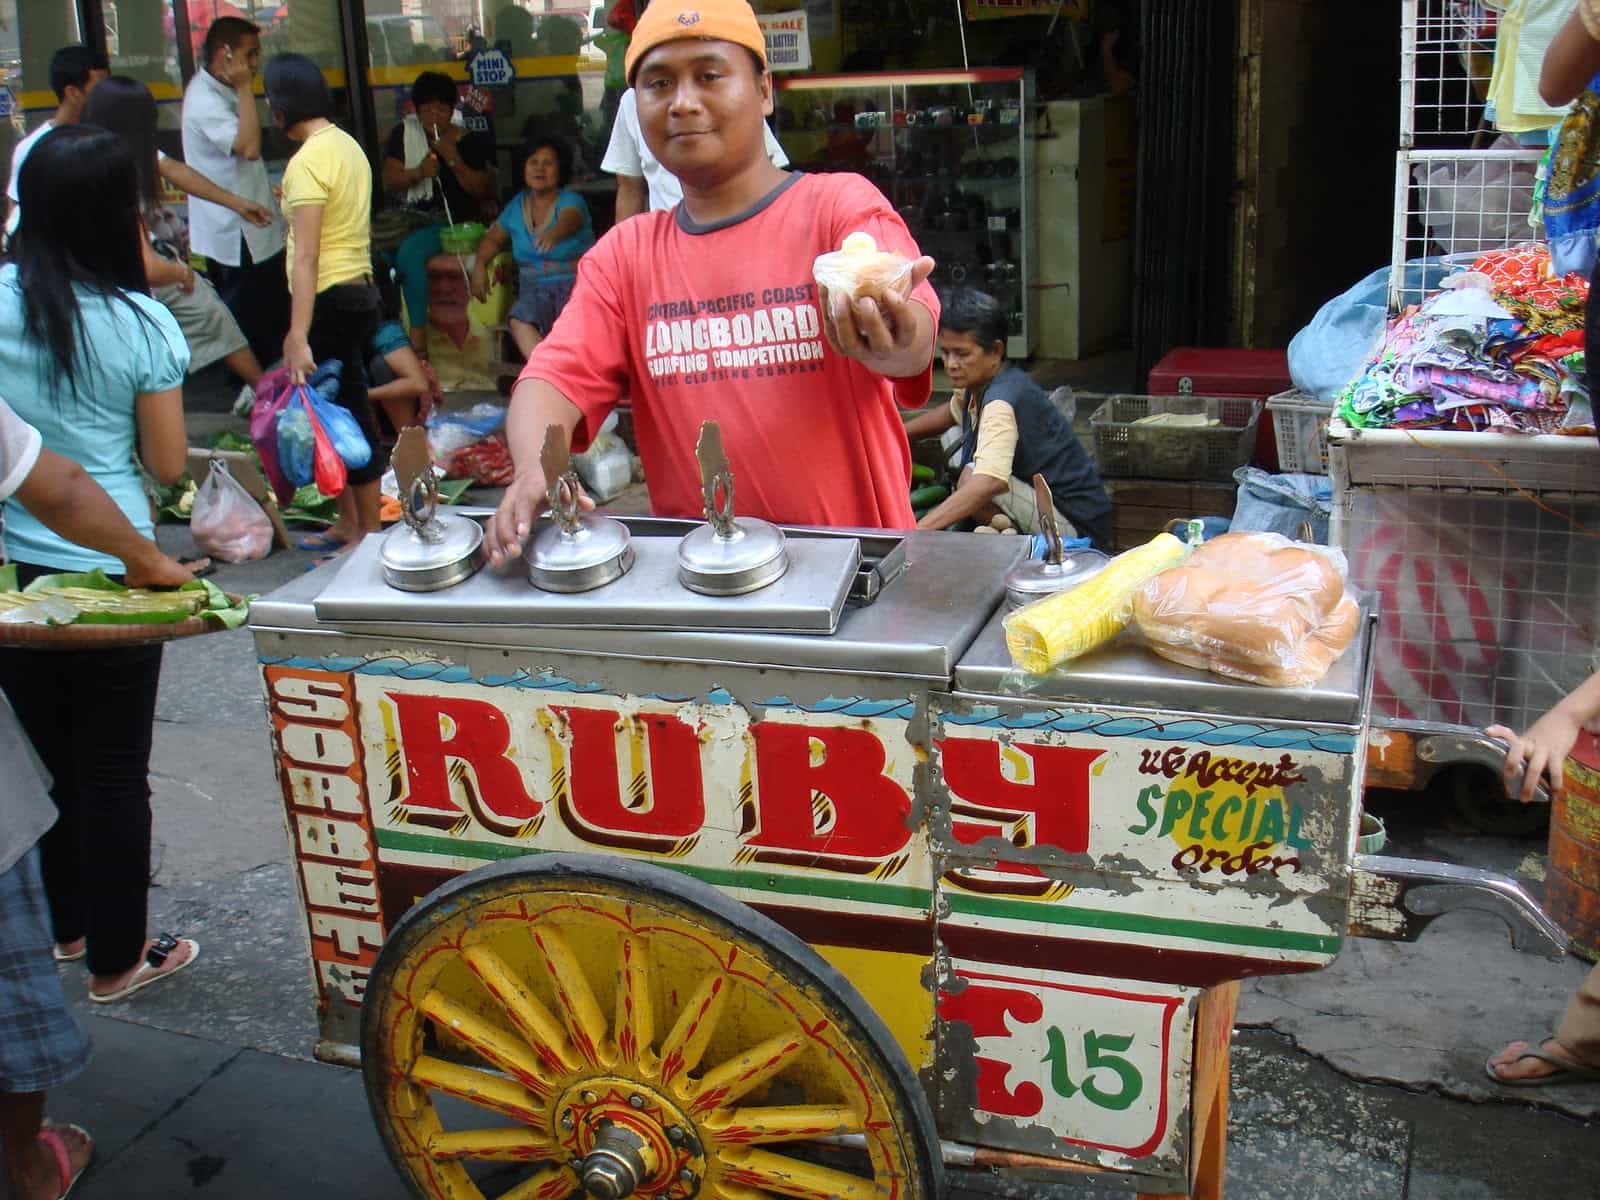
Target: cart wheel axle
[{"x": 616, "y": 1165}]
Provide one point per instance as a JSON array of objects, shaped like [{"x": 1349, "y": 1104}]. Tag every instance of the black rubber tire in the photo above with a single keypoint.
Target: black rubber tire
[
  {"x": 1479, "y": 798},
  {"x": 800, "y": 962}
]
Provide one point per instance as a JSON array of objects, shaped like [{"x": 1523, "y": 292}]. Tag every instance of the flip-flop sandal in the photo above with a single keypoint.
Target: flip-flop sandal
[
  {"x": 199, "y": 566},
  {"x": 61, "y": 957},
  {"x": 1565, "y": 1072},
  {"x": 319, "y": 541},
  {"x": 52, "y": 1139},
  {"x": 149, "y": 971}
]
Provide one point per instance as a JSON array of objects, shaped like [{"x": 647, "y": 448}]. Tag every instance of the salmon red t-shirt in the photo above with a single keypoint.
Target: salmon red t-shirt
[{"x": 723, "y": 323}]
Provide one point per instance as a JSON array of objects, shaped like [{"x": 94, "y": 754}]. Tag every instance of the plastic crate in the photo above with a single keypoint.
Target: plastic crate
[
  {"x": 1124, "y": 448},
  {"x": 1300, "y": 424}
]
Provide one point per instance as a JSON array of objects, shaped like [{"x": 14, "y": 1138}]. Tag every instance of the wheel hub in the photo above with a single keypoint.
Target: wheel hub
[{"x": 626, "y": 1139}]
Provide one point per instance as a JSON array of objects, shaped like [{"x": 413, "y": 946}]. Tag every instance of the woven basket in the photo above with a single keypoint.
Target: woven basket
[{"x": 91, "y": 637}]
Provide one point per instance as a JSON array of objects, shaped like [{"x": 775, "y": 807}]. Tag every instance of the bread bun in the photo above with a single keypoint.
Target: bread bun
[
  {"x": 858, "y": 268},
  {"x": 1250, "y": 606}
]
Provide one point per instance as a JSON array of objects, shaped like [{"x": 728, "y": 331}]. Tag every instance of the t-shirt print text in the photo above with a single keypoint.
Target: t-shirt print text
[{"x": 740, "y": 335}]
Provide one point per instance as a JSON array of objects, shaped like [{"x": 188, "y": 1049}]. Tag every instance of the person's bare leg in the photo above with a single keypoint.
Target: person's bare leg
[
  {"x": 367, "y": 499},
  {"x": 245, "y": 365},
  {"x": 346, "y": 526},
  {"x": 31, "y": 1170},
  {"x": 525, "y": 336}
]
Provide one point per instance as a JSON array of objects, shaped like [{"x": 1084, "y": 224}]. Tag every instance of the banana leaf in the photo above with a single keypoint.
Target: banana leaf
[{"x": 139, "y": 606}]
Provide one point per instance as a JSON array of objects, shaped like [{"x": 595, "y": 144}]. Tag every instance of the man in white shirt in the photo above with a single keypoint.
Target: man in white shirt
[
  {"x": 637, "y": 170},
  {"x": 74, "y": 70},
  {"x": 222, "y": 141}
]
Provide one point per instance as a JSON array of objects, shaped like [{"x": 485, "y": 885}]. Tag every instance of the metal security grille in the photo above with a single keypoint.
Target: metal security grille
[
  {"x": 1455, "y": 205},
  {"x": 1446, "y": 60},
  {"x": 1483, "y": 549},
  {"x": 1454, "y": 198},
  {"x": 1483, "y": 552}
]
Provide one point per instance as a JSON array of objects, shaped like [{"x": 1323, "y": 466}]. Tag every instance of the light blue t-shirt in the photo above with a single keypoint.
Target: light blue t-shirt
[
  {"x": 130, "y": 353},
  {"x": 562, "y": 261}
]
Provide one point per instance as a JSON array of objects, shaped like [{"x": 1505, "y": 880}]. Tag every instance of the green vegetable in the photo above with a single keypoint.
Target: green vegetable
[
  {"x": 921, "y": 474},
  {"x": 228, "y": 439},
  {"x": 926, "y": 497},
  {"x": 8, "y": 577}
]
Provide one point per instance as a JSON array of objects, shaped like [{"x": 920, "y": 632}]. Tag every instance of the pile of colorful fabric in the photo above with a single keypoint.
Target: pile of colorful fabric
[{"x": 1498, "y": 348}]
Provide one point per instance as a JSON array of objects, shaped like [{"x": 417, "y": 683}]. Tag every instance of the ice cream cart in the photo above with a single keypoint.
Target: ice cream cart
[{"x": 644, "y": 892}]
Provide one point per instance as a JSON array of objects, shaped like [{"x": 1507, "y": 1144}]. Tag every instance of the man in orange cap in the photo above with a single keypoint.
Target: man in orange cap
[{"x": 709, "y": 311}]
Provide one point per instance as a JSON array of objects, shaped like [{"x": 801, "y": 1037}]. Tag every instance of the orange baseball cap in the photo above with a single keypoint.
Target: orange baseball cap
[{"x": 715, "y": 20}]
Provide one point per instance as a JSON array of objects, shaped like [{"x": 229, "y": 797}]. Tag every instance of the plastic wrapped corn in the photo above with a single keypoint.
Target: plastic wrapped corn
[{"x": 1049, "y": 632}]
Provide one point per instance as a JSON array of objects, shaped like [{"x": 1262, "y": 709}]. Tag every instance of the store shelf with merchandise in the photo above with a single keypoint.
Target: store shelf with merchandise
[{"x": 951, "y": 150}]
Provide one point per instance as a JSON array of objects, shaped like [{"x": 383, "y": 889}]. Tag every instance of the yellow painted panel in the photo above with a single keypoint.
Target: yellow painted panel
[{"x": 892, "y": 984}]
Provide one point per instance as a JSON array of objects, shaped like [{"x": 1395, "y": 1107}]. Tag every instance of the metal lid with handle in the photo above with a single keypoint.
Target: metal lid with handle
[
  {"x": 575, "y": 551},
  {"x": 428, "y": 550},
  {"x": 728, "y": 556},
  {"x": 1060, "y": 568}
]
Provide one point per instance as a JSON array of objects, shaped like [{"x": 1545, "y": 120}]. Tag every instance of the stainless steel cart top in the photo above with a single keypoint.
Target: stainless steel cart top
[
  {"x": 918, "y": 625},
  {"x": 1128, "y": 675}
]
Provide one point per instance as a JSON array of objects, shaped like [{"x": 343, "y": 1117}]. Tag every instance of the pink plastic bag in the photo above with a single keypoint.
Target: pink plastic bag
[{"x": 273, "y": 391}]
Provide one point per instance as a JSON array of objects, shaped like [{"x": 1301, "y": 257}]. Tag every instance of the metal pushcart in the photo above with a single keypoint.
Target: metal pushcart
[{"x": 794, "y": 894}]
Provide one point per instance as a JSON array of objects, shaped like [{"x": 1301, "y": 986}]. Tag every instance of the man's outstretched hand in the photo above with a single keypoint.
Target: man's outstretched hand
[{"x": 884, "y": 333}]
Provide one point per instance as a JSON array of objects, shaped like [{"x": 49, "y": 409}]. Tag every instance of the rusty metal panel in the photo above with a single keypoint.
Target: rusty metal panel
[
  {"x": 1096, "y": 864},
  {"x": 1067, "y": 1066}
]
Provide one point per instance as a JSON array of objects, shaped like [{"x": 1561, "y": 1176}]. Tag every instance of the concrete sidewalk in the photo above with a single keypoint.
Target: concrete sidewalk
[{"x": 1363, "y": 1080}]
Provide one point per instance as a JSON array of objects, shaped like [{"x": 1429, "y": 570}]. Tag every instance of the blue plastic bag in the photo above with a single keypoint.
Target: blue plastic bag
[
  {"x": 340, "y": 426},
  {"x": 296, "y": 443},
  {"x": 1333, "y": 349},
  {"x": 1282, "y": 504}
]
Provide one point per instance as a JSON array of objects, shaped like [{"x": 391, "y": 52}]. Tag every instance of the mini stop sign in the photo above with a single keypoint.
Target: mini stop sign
[{"x": 491, "y": 68}]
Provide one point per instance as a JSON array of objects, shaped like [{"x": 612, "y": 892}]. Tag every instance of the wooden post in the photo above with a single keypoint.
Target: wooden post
[{"x": 1208, "y": 1098}]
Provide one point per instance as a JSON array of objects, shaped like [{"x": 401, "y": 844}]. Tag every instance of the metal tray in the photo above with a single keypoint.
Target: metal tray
[
  {"x": 807, "y": 599},
  {"x": 1128, "y": 675},
  {"x": 883, "y": 555}
]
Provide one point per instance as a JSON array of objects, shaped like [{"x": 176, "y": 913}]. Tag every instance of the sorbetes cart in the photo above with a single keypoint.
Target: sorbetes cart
[{"x": 643, "y": 892}]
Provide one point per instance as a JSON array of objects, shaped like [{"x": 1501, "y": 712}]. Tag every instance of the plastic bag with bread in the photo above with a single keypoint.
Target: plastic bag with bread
[
  {"x": 1251, "y": 606},
  {"x": 858, "y": 268}
]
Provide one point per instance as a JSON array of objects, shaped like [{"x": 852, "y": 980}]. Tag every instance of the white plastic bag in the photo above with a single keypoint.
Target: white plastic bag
[
  {"x": 1476, "y": 206},
  {"x": 226, "y": 522}
]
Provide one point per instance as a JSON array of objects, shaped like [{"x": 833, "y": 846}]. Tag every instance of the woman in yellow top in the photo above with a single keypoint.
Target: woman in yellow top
[{"x": 334, "y": 307}]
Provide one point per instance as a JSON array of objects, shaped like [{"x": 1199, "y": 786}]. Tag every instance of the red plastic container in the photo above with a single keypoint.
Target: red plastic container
[{"x": 1226, "y": 372}]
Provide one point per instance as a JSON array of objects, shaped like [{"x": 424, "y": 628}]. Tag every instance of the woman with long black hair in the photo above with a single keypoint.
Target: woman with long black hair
[
  {"x": 333, "y": 304},
  {"x": 128, "y": 110},
  {"x": 96, "y": 365}
]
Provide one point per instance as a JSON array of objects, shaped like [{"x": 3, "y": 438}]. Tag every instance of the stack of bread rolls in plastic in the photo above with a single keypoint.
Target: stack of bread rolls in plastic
[{"x": 1250, "y": 606}]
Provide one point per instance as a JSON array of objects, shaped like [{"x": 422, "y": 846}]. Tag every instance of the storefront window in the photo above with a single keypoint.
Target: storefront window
[
  {"x": 547, "y": 76},
  {"x": 30, "y": 32},
  {"x": 309, "y": 27},
  {"x": 142, "y": 43}
]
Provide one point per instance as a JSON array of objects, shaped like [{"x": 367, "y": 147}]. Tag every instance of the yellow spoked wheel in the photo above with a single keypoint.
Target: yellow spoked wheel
[{"x": 590, "y": 1026}]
